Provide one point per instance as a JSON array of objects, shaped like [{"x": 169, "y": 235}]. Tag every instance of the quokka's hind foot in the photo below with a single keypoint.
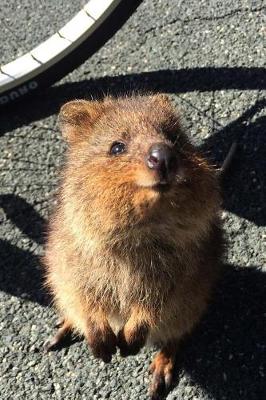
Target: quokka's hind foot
[
  {"x": 64, "y": 329},
  {"x": 162, "y": 372},
  {"x": 59, "y": 323}
]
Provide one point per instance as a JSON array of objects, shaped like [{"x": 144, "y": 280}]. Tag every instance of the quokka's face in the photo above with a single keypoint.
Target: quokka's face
[{"x": 128, "y": 157}]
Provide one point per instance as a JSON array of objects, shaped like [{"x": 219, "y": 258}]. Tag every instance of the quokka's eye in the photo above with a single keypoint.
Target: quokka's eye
[{"x": 117, "y": 148}]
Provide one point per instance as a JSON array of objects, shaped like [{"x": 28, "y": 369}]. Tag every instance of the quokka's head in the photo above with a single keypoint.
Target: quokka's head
[{"x": 130, "y": 164}]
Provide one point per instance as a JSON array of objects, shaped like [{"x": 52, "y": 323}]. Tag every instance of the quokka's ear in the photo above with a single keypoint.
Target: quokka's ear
[
  {"x": 169, "y": 116},
  {"x": 77, "y": 117},
  {"x": 161, "y": 100}
]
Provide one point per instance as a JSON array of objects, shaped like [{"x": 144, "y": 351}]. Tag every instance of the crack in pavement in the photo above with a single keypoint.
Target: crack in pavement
[{"x": 201, "y": 18}]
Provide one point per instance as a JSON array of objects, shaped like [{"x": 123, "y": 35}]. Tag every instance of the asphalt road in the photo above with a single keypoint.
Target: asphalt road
[{"x": 210, "y": 57}]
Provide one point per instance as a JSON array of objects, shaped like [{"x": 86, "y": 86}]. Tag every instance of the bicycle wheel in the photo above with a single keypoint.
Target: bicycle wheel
[{"x": 82, "y": 36}]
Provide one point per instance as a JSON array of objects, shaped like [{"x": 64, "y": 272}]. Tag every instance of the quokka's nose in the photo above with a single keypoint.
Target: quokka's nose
[{"x": 162, "y": 159}]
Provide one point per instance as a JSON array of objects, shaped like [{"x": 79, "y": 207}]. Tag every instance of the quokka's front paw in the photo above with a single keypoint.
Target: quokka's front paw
[
  {"x": 102, "y": 342},
  {"x": 130, "y": 341}
]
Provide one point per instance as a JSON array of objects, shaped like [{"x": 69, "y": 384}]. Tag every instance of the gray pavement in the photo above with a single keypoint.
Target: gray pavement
[{"x": 210, "y": 57}]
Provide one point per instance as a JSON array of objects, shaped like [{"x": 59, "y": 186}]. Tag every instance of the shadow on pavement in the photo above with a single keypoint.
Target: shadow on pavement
[
  {"x": 24, "y": 216},
  {"x": 20, "y": 270},
  {"x": 21, "y": 274},
  {"x": 48, "y": 101},
  {"x": 226, "y": 356},
  {"x": 244, "y": 183}
]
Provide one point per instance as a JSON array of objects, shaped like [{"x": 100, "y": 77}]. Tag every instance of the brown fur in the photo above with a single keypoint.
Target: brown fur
[{"x": 122, "y": 256}]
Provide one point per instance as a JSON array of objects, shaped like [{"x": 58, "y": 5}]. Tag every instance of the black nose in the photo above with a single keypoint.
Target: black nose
[{"x": 162, "y": 158}]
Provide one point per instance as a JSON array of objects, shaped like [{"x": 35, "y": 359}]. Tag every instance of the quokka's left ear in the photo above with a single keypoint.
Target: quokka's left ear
[{"x": 77, "y": 117}]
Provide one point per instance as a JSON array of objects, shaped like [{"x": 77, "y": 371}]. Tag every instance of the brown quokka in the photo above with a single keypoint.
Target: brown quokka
[{"x": 135, "y": 244}]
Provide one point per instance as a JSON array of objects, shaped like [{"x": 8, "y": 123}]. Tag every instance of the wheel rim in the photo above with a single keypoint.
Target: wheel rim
[{"x": 18, "y": 77}]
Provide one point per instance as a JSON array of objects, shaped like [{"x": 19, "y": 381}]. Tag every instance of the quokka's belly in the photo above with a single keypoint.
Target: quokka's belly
[{"x": 116, "y": 321}]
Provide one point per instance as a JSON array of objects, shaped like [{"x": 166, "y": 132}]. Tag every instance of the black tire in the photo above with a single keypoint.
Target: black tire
[{"x": 72, "y": 60}]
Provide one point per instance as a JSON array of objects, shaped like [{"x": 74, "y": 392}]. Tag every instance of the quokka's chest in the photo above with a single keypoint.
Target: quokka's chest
[{"x": 119, "y": 286}]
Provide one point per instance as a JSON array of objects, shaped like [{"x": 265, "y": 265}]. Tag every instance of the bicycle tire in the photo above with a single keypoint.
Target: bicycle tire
[{"x": 38, "y": 69}]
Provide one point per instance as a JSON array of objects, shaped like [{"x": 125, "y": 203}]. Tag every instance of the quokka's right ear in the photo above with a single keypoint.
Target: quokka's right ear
[{"x": 77, "y": 117}]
